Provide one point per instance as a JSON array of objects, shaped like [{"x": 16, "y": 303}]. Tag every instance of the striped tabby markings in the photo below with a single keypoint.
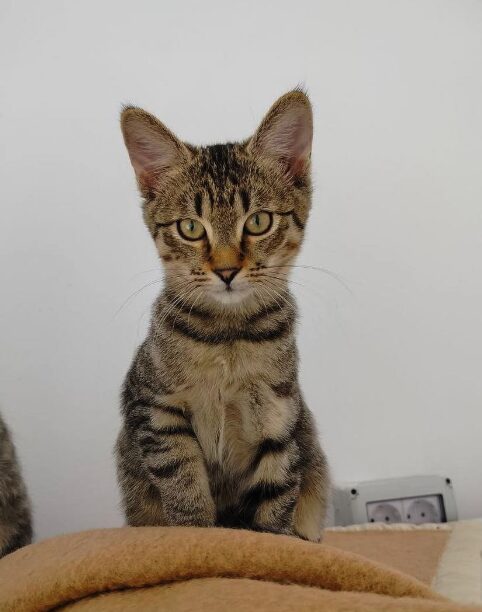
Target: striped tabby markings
[
  {"x": 245, "y": 200},
  {"x": 284, "y": 388},
  {"x": 167, "y": 470},
  {"x": 198, "y": 204},
  {"x": 161, "y": 226},
  {"x": 275, "y": 484},
  {"x": 183, "y": 328},
  {"x": 296, "y": 220},
  {"x": 177, "y": 447},
  {"x": 269, "y": 446},
  {"x": 263, "y": 313},
  {"x": 273, "y": 462},
  {"x": 159, "y": 433},
  {"x": 178, "y": 466},
  {"x": 269, "y": 506},
  {"x": 141, "y": 415},
  {"x": 166, "y": 413}
]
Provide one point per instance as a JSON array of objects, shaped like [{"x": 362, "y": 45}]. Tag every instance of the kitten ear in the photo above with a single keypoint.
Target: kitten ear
[
  {"x": 152, "y": 148},
  {"x": 286, "y": 133}
]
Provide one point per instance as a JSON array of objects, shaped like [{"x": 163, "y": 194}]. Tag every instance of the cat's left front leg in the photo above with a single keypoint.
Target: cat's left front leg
[{"x": 274, "y": 476}]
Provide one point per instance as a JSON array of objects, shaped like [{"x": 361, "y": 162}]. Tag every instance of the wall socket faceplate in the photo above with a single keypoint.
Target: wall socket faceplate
[{"x": 414, "y": 499}]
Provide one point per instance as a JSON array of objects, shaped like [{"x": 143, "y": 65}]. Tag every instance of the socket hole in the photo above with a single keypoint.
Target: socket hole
[
  {"x": 353, "y": 491},
  {"x": 409, "y": 516},
  {"x": 387, "y": 518},
  {"x": 422, "y": 513},
  {"x": 448, "y": 481},
  {"x": 372, "y": 520}
]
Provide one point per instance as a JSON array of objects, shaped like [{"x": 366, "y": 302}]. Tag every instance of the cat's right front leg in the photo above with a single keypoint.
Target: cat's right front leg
[{"x": 175, "y": 465}]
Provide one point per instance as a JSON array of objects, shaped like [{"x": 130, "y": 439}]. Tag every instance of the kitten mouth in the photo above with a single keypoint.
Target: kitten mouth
[{"x": 230, "y": 295}]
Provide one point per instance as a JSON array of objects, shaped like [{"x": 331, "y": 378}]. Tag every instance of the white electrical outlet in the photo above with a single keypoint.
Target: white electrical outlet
[
  {"x": 390, "y": 511},
  {"x": 416, "y": 510},
  {"x": 427, "y": 509},
  {"x": 416, "y": 499}
]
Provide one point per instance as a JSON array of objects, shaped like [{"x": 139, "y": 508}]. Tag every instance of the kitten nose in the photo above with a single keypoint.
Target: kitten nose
[{"x": 226, "y": 274}]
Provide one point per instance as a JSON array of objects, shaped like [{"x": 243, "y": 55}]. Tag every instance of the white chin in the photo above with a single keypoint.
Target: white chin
[{"x": 234, "y": 296}]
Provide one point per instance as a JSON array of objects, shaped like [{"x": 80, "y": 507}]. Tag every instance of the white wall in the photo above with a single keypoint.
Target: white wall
[{"x": 393, "y": 369}]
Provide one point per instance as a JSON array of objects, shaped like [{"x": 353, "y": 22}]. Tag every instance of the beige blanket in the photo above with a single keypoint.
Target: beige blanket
[
  {"x": 446, "y": 556},
  {"x": 185, "y": 569}
]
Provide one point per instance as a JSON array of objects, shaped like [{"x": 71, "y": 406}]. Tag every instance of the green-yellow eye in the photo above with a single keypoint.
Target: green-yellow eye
[
  {"x": 190, "y": 229},
  {"x": 258, "y": 223}
]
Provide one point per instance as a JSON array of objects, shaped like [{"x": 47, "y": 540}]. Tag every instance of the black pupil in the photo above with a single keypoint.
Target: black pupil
[
  {"x": 191, "y": 226},
  {"x": 257, "y": 220}
]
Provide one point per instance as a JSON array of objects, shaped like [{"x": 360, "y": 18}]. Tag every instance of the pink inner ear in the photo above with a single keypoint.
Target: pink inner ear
[
  {"x": 148, "y": 154},
  {"x": 300, "y": 146},
  {"x": 289, "y": 139},
  {"x": 152, "y": 148}
]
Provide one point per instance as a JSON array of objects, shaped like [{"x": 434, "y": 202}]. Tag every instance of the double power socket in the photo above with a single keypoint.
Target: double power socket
[
  {"x": 417, "y": 510},
  {"x": 413, "y": 499}
]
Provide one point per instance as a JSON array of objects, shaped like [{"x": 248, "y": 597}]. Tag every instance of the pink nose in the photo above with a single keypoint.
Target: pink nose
[{"x": 226, "y": 274}]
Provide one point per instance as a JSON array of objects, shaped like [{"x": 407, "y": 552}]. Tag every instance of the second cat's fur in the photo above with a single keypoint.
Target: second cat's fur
[
  {"x": 215, "y": 429},
  {"x": 15, "y": 520}
]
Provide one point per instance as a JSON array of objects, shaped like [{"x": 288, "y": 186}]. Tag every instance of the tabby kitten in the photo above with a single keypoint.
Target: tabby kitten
[
  {"x": 215, "y": 429},
  {"x": 15, "y": 521}
]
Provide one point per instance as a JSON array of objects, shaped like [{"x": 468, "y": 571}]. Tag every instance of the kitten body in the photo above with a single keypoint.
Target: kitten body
[
  {"x": 215, "y": 428},
  {"x": 15, "y": 518}
]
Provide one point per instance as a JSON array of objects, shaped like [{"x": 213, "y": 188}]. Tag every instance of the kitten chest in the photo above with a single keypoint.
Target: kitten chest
[{"x": 220, "y": 399}]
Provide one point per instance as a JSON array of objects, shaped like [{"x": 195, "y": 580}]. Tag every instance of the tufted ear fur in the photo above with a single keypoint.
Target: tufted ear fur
[
  {"x": 286, "y": 133},
  {"x": 152, "y": 148}
]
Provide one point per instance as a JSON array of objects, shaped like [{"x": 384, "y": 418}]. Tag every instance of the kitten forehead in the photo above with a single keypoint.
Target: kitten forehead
[
  {"x": 222, "y": 163},
  {"x": 223, "y": 173}
]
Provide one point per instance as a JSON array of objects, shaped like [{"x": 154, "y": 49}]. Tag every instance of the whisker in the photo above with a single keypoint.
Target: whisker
[
  {"x": 276, "y": 281},
  {"x": 329, "y": 273},
  {"x": 284, "y": 298},
  {"x": 285, "y": 279},
  {"x": 133, "y": 295},
  {"x": 192, "y": 305},
  {"x": 260, "y": 295},
  {"x": 137, "y": 274},
  {"x": 176, "y": 301},
  {"x": 187, "y": 296},
  {"x": 263, "y": 286}
]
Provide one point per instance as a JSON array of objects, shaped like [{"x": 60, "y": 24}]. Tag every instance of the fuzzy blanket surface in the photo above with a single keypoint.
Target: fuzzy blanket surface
[
  {"x": 446, "y": 556},
  {"x": 184, "y": 569}
]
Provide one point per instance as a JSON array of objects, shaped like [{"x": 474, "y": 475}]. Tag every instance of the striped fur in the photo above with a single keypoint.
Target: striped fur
[
  {"x": 15, "y": 521},
  {"x": 215, "y": 430}
]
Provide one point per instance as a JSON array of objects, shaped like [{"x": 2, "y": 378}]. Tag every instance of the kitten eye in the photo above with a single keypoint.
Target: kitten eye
[
  {"x": 190, "y": 229},
  {"x": 258, "y": 223}
]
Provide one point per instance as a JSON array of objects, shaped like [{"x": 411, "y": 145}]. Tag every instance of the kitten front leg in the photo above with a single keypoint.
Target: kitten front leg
[
  {"x": 310, "y": 510},
  {"x": 289, "y": 478},
  {"x": 175, "y": 465},
  {"x": 273, "y": 493},
  {"x": 273, "y": 475}
]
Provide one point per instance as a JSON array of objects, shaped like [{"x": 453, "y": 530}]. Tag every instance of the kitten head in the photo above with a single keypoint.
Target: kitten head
[{"x": 227, "y": 219}]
